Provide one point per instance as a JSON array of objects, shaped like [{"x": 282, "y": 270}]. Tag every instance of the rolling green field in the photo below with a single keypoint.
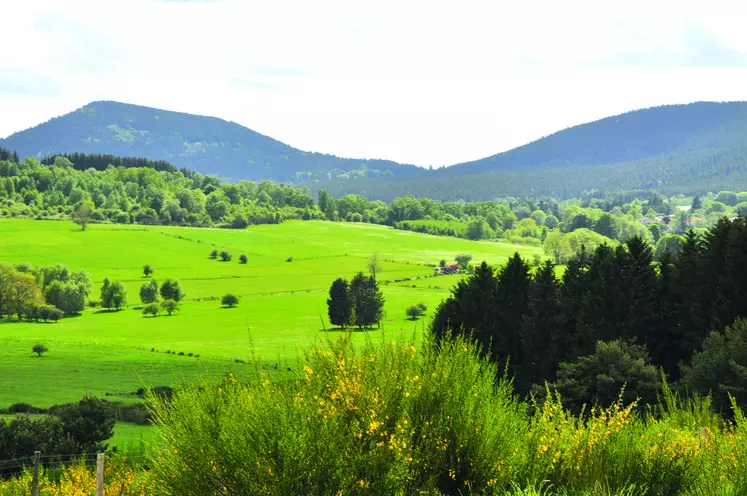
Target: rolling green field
[{"x": 282, "y": 308}]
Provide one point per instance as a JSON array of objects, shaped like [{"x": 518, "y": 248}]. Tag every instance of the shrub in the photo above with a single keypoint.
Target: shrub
[
  {"x": 389, "y": 419},
  {"x": 151, "y": 309},
  {"x": 242, "y": 259},
  {"x": 214, "y": 254},
  {"x": 414, "y": 312},
  {"x": 230, "y": 300},
  {"x": 39, "y": 349},
  {"x": 225, "y": 256},
  {"x": 170, "y": 306}
]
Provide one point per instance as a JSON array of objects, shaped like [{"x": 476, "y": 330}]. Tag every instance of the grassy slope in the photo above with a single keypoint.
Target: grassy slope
[{"x": 282, "y": 309}]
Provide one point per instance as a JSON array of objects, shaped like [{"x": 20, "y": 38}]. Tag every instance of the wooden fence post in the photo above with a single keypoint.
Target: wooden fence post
[
  {"x": 100, "y": 474},
  {"x": 35, "y": 480}
]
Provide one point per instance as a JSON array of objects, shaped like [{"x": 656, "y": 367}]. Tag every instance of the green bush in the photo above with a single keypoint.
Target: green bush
[
  {"x": 396, "y": 418},
  {"x": 389, "y": 419}
]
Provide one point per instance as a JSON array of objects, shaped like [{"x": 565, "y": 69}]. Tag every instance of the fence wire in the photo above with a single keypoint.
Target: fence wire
[{"x": 55, "y": 464}]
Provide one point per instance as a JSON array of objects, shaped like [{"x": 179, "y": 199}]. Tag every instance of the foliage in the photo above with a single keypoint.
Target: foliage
[
  {"x": 89, "y": 422},
  {"x": 367, "y": 301},
  {"x": 147, "y": 270},
  {"x": 170, "y": 306},
  {"x": 171, "y": 289},
  {"x": 121, "y": 476},
  {"x": 390, "y": 418},
  {"x": 415, "y": 311},
  {"x": 151, "y": 309},
  {"x": 720, "y": 368},
  {"x": 463, "y": 260},
  {"x": 229, "y": 300},
  {"x": 598, "y": 379},
  {"x": 225, "y": 256},
  {"x": 242, "y": 259},
  {"x": 113, "y": 295},
  {"x": 339, "y": 304},
  {"x": 149, "y": 292},
  {"x": 39, "y": 349}
]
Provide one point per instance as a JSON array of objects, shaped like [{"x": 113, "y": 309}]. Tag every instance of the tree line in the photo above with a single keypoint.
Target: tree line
[
  {"x": 35, "y": 293},
  {"x": 615, "y": 318}
]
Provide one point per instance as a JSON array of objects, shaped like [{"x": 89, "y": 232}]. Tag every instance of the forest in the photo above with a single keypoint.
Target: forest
[{"x": 615, "y": 319}]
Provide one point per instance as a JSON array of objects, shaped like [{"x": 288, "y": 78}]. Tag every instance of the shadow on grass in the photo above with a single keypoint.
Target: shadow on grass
[
  {"x": 105, "y": 310},
  {"x": 349, "y": 329}
]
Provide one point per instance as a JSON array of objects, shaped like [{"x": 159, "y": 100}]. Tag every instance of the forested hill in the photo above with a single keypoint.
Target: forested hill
[
  {"x": 205, "y": 144},
  {"x": 691, "y": 149},
  {"x": 633, "y": 136}
]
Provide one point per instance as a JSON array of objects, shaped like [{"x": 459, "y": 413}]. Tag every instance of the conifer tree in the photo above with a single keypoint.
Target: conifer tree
[
  {"x": 541, "y": 331},
  {"x": 512, "y": 291},
  {"x": 471, "y": 309},
  {"x": 339, "y": 304}
]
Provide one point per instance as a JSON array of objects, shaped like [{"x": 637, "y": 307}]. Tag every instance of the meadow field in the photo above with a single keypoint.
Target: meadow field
[{"x": 283, "y": 290}]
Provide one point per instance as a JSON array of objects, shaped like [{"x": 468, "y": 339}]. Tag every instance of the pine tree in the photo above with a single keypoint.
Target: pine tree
[
  {"x": 339, "y": 304},
  {"x": 642, "y": 290},
  {"x": 512, "y": 291},
  {"x": 665, "y": 339},
  {"x": 692, "y": 299},
  {"x": 573, "y": 292},
  {"x": 367, "y": 300},
  {"x": 471, "y": 309},
  {"x": 542, "y": 328}
]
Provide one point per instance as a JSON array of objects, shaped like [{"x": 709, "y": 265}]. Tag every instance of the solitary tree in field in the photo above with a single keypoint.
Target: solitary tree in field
[
  {"x": 230, "y": 300},
  {"x": 374, "y": 265},
  {"x": 242, "y": 259},
  {"x": 151, "y": 309},
  {"x": 214, "y": 254},
  {"x": 171, "y": 289},
  {"x": 149, "y": 292},
  {"x": 39, "y": 349},
  {"x": 170, "y": 306},
  {"x": 147, "y": 270},
  {"x": 339, "y": 304},
  {"x": 414, "y": 312},
  {"x": 225, "y": 256},
  {"x": 82, "y": 214}
]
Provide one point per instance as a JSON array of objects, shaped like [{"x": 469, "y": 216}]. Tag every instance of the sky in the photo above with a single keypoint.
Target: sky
[{"x": 426, "y": 82}]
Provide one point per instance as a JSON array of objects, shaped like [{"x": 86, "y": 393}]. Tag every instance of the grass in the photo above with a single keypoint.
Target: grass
[{"x": 282, "y": 306}]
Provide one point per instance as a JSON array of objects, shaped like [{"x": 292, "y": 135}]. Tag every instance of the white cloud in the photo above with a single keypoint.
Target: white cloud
[{"x": 426, "y": 82}]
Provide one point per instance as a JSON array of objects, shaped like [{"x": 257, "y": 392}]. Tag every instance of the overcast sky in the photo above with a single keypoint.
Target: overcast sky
[{"x": 426, "y": 82}]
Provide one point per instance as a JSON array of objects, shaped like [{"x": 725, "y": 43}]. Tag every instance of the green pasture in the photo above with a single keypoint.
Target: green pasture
[{"x": 282, "y": 307}]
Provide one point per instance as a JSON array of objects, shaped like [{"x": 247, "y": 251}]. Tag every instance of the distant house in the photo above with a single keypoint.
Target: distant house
[
  {"x": 450, "y": 269},
  {"x": 647, "y": 221}
]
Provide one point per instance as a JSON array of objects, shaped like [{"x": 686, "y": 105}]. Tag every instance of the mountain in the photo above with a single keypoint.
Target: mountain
[
  {"x": 205, "y": 144},
  {"x": 691, "y": 148},
  {"x": 629, "y": 137}
]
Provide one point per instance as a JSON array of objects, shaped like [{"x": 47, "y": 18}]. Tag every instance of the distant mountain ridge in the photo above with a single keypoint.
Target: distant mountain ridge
[
  {"x": 634, "y": 135},
  {"x": 688, "y": 148},
  {"x": 208, "y": 145}
]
